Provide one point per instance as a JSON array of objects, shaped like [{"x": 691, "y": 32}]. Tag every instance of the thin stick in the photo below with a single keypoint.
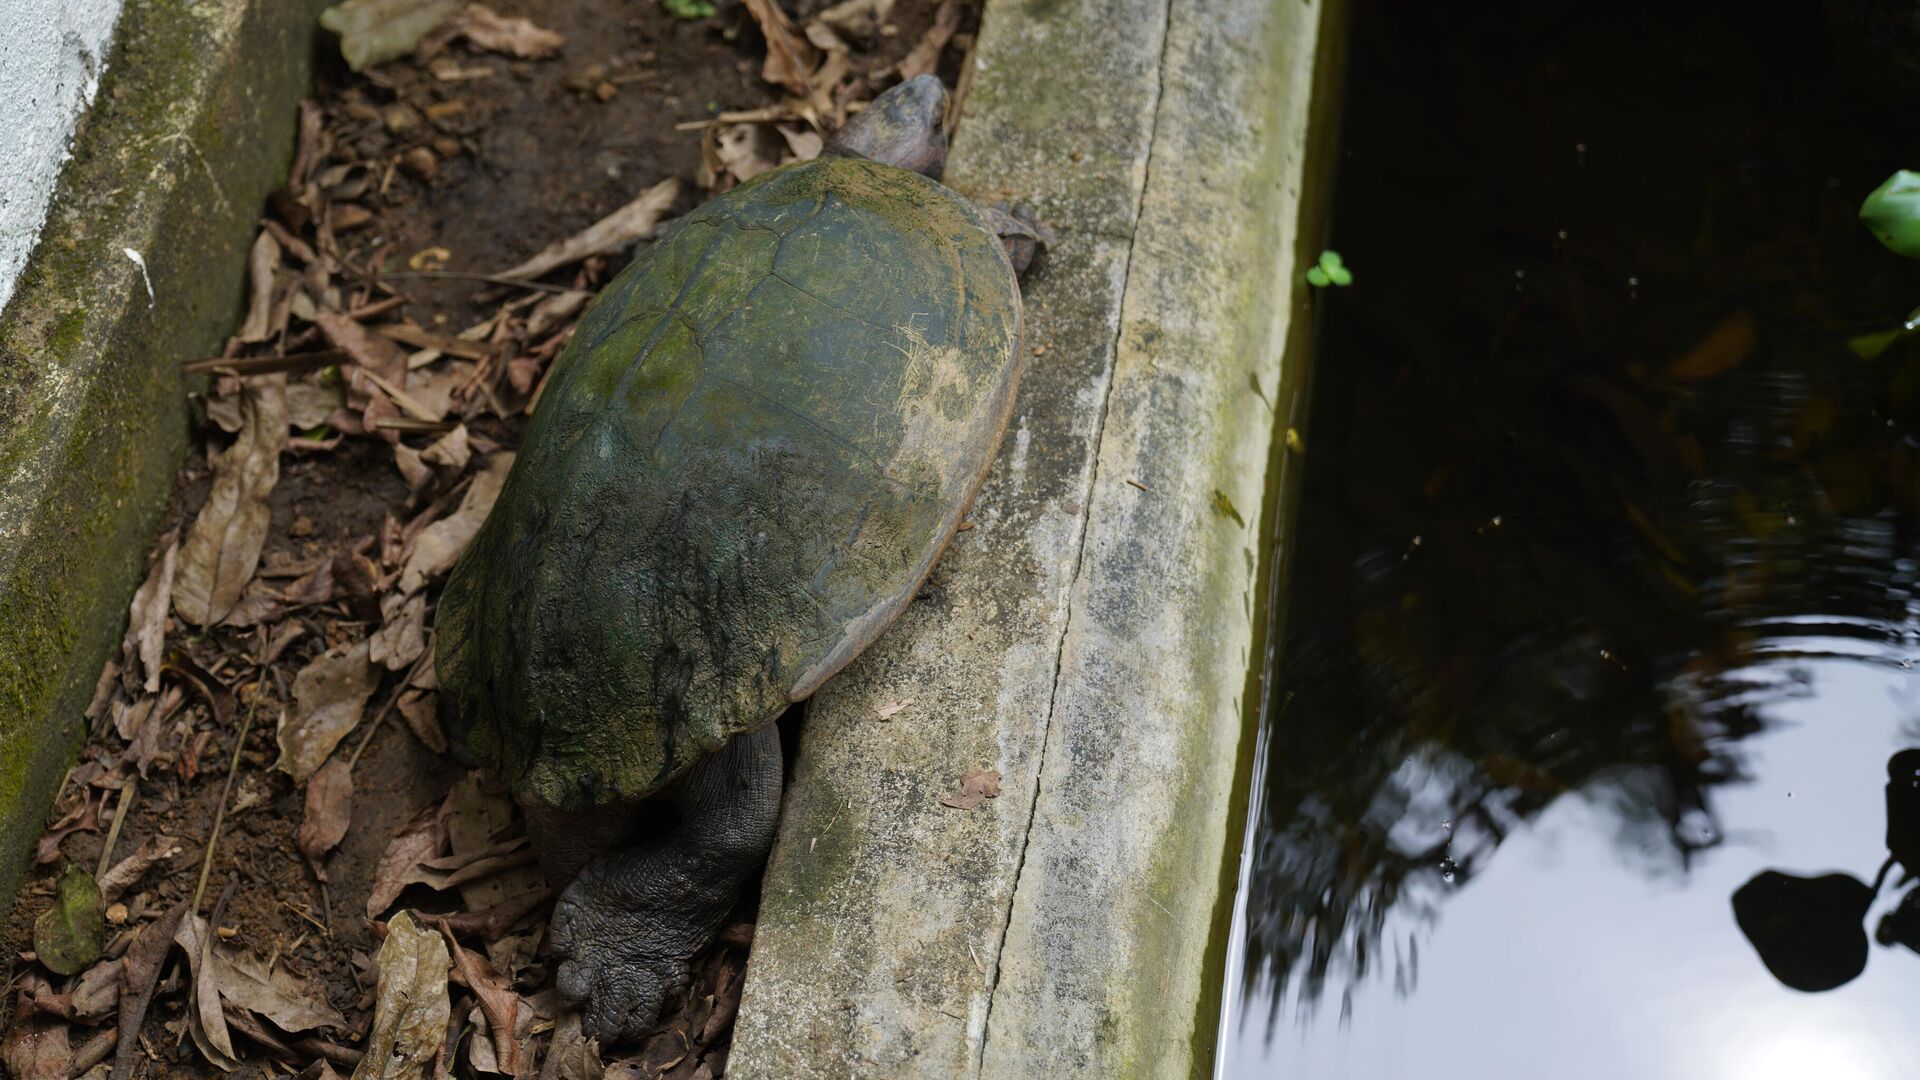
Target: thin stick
[
  {"x": 491, "y": 279},
  {"x": 220, "y": 816},
  {"x": 127, "y": 791},
  {"x": 385, "y": 710}
]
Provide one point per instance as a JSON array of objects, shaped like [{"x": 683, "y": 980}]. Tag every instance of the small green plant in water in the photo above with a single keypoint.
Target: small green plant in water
[
  {"x": 688, "y": 9},
  {"x": 1891, "y": 212},
  {"x": 1331, "y": 270}
]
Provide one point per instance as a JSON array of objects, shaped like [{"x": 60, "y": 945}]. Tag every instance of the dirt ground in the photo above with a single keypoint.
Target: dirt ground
[{"x": 384, "y": 376}]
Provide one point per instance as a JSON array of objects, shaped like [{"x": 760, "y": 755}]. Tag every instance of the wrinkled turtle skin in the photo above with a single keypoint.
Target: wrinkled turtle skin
[{"x": 761, "y": 437}]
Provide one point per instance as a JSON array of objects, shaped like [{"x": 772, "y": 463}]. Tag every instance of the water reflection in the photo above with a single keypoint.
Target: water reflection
[{"x": 1604, "y": 606}]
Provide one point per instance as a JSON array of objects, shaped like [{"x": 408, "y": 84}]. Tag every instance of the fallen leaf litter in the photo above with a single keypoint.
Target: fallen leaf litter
[{"x": 276, "y": 899}]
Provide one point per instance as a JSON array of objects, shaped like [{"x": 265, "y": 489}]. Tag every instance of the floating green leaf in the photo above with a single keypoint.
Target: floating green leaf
[
  {"x": 1892, "y": 213},
  {"x": 1330, "y": 270},
  {"x": 73, "y": 932},
  {"x": 688, "y": 9},
  {"x": 1868, "y": 346}
]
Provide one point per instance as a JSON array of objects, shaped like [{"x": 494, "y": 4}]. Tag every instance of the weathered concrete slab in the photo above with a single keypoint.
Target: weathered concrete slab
[
  {"x": 883, "y": 910},
  {"x": 191, "y": 127},
  {"x": 1089, "y": 638}
]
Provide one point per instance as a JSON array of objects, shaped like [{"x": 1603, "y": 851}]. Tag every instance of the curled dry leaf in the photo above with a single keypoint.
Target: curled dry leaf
[
  {"x": 97, "y": 991},
  {"x": 403, "y": 636},
  {"x": 419, "y": 840},
  {"x": 410, "y": 1007},
  {"x": 571, "y": 1055},
  {"x": 221, "y": 550},
  {"x": 328, "y": 696},
  {"x": 310, "y": 401},
  {"x": 976, "y": 787},
  {"x": 152, "y": 852},
  {"x": 477, "y": 814},
  {"x": 790, "y": 59},
  {"x": 376, "y": 31},
  {"x": 261, "y": 263},
  {"x": 625, "y": 225},
  {"x": 489, "y": 30},
  {"x": 439, "y": 545},
  {"x": 451, "y": 451},
  {"x": 205, "y": 1020},
  {"x": 744, "y": 150},
  {"x": 421, "y": 709},
  {"x": 926, "y": 52},
  {"x": 506, "y": 1014},
  {"x": 554, "y": 310},
  {"x": 860, "y": 19},
  {"x": 803, "y": 144},
  {"x": 72, "y": 933},
  {"x": 36, "y": 1046},
  {"x": 82, "y": 818},
  {"x": 147, "y": 617},
  {"x": 245, "y": 980},
  {"x": 329, "y": 808}
]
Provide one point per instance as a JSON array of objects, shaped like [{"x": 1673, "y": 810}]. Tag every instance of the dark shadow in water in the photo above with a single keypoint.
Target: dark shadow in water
[{"x": 1593, "y": 475}]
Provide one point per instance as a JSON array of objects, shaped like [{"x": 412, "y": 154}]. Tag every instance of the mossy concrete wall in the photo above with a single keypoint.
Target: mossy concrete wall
[
  {"x": 192, "y": 126},
  {"x": 1090, "y": 638}
]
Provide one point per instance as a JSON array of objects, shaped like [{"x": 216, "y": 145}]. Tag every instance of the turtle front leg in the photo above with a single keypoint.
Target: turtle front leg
[
  {"x": 626, "y": 927},
  {"x": 1021, "y": 233}
]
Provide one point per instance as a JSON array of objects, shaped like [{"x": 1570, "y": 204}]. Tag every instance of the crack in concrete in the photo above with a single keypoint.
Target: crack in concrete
[{"x": 1086, "y": 518}]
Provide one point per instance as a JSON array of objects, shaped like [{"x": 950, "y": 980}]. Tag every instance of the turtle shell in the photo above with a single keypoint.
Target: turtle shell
[{"x": 761, "y": 437}]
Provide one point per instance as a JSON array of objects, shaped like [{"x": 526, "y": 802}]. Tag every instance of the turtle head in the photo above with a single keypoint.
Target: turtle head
[{"x": 902, "y": 128}]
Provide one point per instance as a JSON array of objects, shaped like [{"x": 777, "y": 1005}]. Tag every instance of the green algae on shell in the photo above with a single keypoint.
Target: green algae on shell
[{"x": 760, "y": 438}]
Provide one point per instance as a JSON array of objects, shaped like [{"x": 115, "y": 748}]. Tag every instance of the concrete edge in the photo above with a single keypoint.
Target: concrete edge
[
  {"x": 191, "y": 128},
  {"x": 1091, "y": 638}
]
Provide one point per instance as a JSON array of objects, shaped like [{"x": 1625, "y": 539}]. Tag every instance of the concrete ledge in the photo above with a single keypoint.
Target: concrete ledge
[
  {"x": 192, "y": 126},
  {"x": 1090, "y": 637}
]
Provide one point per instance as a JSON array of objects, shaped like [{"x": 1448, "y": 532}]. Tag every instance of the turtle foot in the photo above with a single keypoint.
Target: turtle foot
[{"x": 616, "y": 960}]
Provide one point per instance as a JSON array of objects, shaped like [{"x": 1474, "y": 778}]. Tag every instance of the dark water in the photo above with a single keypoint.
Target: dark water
[{"x": 1604, "y": 600}]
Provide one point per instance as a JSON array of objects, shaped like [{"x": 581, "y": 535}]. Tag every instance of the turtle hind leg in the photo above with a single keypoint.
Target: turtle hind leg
[{"x": 633, "y": 917}]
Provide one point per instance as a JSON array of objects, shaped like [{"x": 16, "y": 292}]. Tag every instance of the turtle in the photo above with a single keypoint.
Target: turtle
[{"x": 760, "y": 439}]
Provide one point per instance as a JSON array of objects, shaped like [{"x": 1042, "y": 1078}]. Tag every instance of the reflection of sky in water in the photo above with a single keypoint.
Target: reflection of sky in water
[{"x": 1564, "y": 956}]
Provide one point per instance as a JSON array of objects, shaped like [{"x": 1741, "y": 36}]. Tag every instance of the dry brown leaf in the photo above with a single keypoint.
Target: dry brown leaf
[
  {"x": 328, "y": 697},
  {"x": 151, "y": 852},
  {"x": 274, "y": 993},
  {"x": 139, "y": 971},
  {"x": 222, "y": 549},
  {"x": 328, "y": 809},
  {"x": 376, "y": 31},
  {"x": 205, "y": 1021},
  {"x": 421, "y": 709},
  {"x": 1723, "y": 349},
  {"x": 790, "y": 59},
  {"x": 506, "y": 1015},
  {"x": 310, "y": 402},
  {"x": 452, "y": 450},
  {"x": 489, "y": 30},
  {"x": 403, "y": 636},
  {"x": 97, "y": 991},
  {"x": 744, "y": 150},
  {"x": 555, "y": 309},
  {"x": 368, "y": 350},
  {"x": 82, "y": 818},
  {"x": 803, "y": 144},
  {"x": 976, "y": 787},
  {"x": 478, "y": 815},
  {"x": 411, "y": 1006},
  {"x": 36, "y": 1046},
  {"x": 625, "y": 225},
  {"x": 571, "y": 1055},
  {"x": 926, "y": 52},
  {"x": 439, "y": 545},
  {"x": 857, "y": 18},
  {"x": 417, "y": 841},
  {"x": 261, "y": 263}
]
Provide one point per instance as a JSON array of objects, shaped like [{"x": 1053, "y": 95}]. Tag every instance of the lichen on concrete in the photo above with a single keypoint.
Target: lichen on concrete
[{"x": 192, "y": 125}]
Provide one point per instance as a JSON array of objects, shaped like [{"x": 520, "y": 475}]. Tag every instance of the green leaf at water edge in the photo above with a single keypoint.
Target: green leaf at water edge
[
  {"x": 1892, "y": 213},
  {"x": 73, "y": 932},
  {"x": 688, "y": 9}
]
